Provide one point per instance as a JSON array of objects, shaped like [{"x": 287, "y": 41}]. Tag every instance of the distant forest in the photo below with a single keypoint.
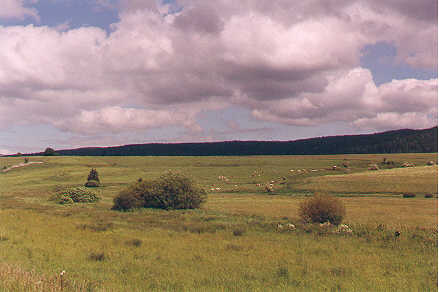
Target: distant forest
[{"x": 399, "y": 141}]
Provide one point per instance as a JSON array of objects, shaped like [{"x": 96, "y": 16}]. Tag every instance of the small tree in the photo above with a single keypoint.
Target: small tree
[
  {"x": 93, "y": 175},
  {"x": 93, "y": 179},
  {"x": 49, "y": 152}
]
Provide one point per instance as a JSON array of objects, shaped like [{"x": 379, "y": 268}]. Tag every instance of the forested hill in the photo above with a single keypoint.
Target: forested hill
[{"x": 399, "y": 141}]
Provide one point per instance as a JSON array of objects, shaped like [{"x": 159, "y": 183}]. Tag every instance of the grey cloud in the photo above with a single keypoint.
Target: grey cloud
[
  {"x": 423, "y": 10},
  {"x": 291, "y": 62},
  {"x": 199, "y": 19}
]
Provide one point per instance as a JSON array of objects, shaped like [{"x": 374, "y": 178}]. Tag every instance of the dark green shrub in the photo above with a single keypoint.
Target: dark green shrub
[
  {"x": 283, "y": 272},
  {"x": 133, "y": 197},
  {"x": 428, "y": 196},
  {"x": 135, "y": 242},
  {"x": 97, "y": 227},
  {"x": 238, "y": 232},
  {"x": 408, "y": 195},
  {"x": 75, "y": 195},
  {"x": 175, "y": 191},
  {"x": 92, "y": 184},
  {"x": 322, "y": 208},
  {"x": 170, "y": 191}
]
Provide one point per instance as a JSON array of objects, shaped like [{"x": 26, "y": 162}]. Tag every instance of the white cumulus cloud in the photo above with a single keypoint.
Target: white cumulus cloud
[{"x": 288, "y": 62}]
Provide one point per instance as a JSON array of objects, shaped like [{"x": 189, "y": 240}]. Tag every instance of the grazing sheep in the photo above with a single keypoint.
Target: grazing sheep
[
  {"x": 291, "y": 226},
  {"x": 407, "y": 164},
  {"x": 373, "y": 167},
  {"x": 343, "y": 228},
  {"x": 269, "y": 188}
]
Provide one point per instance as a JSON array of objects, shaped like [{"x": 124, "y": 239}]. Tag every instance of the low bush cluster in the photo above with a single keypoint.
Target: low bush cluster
[
  {"x": 170, "y": 191},
  {"x": 322, "y": 208},
  {"x": 75, "y": 195}
]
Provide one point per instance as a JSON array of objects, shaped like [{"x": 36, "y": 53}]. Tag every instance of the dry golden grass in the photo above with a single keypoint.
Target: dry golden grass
[
  {"x": 421, "y": 179},
  {"x": 14, "y": 278},
  {"x": 361, "y": 210}
]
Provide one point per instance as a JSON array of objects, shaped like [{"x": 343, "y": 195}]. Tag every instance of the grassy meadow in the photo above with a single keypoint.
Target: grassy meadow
[{"x": 232, "y": 243}]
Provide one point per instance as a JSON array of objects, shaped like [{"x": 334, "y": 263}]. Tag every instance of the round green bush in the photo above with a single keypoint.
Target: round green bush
[
  {"x": 75, "y": 195},
  {"x": 322, "y": 208},
  {"x": 170, "y": 191}
]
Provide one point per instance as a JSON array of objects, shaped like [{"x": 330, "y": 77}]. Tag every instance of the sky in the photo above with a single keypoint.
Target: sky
[{"x": 76, "y": 73}]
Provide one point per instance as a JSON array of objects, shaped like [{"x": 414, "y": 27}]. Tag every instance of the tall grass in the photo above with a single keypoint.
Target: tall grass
[{"x": 231, "y": 244}]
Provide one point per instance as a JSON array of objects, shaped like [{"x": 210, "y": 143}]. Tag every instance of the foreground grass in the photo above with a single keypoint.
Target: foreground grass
[
  {"x": 232, "y": 243},
  {"x": 205, "y": 254}
]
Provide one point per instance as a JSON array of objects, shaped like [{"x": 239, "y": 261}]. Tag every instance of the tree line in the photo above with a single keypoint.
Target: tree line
[{"x": 399, "y": 141}]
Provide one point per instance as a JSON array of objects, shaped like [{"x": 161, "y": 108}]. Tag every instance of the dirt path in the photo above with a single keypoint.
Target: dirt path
[{"x": 21, "y": 165}]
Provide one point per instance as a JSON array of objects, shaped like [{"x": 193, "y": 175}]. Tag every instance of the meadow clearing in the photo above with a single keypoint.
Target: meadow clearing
[{"x": 233, "y": 242}]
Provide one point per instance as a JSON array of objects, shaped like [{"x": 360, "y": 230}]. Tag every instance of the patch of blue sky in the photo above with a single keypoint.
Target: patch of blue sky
[
  {"x": 172, "y": 6},
  {"x": 380, "y": 60},
  {"x": 69, "y": 14},
  {"x": 29, "y": 138}
]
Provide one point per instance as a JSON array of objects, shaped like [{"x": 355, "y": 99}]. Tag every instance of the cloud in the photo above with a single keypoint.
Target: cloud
[
  {"x": 353, "y": 97},
  {"x": 288, "y": 62},
  {"x": 15, "y": 9},
  {"x": 394, "y": 121},
  {"x": 118, "y": 119}
]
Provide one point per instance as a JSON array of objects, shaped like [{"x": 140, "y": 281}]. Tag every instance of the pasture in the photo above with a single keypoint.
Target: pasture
[{"x": 233, "y": 242}]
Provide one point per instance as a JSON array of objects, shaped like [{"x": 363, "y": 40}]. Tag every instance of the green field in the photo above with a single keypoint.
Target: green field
[{"x": 232, "y": 243}]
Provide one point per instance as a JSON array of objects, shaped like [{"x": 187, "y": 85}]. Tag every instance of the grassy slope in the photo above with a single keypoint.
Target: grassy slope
[
  {"x": 419, "y": 180},
  {"x": 196, "y": 250}
]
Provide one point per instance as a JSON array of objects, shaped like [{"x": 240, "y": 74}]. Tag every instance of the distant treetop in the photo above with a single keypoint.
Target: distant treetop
[{"x": 49, "y": 152}]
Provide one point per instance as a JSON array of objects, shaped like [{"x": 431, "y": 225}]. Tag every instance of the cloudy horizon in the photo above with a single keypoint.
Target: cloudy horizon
[{"x": 112, "y": 72}]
